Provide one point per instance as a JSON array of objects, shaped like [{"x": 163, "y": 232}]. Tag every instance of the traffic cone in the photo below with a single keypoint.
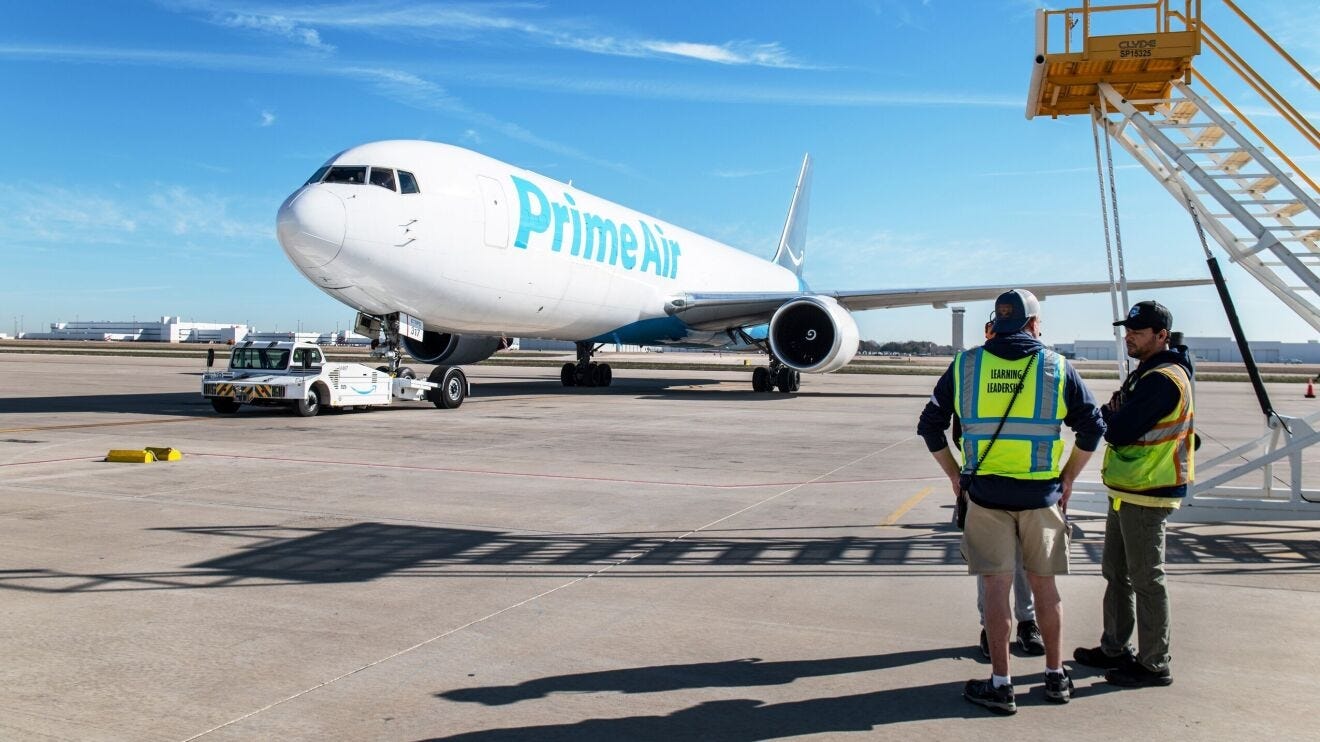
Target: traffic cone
[{"x": 1310, "y": 389}]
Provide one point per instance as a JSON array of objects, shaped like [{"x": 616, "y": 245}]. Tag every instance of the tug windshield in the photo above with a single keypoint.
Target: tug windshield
[{"x": 264, "y": 359}]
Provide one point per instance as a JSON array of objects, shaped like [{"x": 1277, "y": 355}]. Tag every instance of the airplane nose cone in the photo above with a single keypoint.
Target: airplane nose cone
[{"x": 311, "y": 227}]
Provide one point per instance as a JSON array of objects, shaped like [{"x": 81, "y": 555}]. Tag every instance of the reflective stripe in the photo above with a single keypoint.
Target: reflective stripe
[
  {"x": 1049, "y": 384},
  {"x": 1042, "y": 455},
  {"x": 1020, "y": 428},
  {"x": 970, "y": 372},
  {"x": 1167, "y": 431}
]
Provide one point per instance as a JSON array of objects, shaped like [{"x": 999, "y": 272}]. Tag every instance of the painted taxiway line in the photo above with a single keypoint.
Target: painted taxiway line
[{"x": 907, "y": 505}]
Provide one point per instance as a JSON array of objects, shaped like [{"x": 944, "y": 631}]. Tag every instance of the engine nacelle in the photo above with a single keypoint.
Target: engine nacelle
[
  {"x": 814, "y": 335},
  {"x": 452, "y": 350}
]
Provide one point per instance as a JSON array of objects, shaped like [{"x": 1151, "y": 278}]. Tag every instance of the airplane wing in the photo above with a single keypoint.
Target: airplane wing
[{"x": 716, "y": 311}]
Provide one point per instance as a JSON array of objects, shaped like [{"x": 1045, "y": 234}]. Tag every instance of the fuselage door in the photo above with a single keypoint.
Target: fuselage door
[{"x": 494, "y": 211}]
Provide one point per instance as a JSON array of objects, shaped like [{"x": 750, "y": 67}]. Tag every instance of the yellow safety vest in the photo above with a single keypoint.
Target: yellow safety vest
[
  {"x": 1163, "y": 456},
  {"x": 1029, "y": 445}
]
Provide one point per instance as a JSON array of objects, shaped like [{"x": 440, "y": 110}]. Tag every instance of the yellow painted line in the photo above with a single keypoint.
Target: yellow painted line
[{"x": 907, "y": 505}]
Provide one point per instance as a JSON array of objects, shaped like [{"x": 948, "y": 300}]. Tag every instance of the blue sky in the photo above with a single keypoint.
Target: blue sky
[{"x": 149, "y": 144}]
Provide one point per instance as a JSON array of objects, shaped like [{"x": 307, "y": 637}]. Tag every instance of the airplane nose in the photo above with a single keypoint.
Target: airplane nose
[{"x": 311, "y": 227}]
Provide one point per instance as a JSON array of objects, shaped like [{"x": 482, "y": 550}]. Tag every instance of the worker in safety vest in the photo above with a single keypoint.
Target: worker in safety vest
[
  {"x": 1148, "y": 465},
  {"x": 1013, "y": 397},
  {"x": 1029, "y": 640}
]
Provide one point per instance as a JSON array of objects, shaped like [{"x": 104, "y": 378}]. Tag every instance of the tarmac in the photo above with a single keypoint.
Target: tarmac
[{"x": 675, "y": 557}]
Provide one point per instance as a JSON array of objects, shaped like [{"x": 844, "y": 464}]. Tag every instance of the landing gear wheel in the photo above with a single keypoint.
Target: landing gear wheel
[
  {"x": 224, "y": 405},
  {"x": 787, "y": 380},
  {"x": 583, "y": 375},
  {"x": 384, "y": 370},
  {"x": 761, "y": 379},
  {"x": 310, "y": 405},
  {"x": 405, "y": 372},
  {"x": 605, "y": 375},
  {"x": 568, "y": 374},
  {"x": 453, "y": 387}
]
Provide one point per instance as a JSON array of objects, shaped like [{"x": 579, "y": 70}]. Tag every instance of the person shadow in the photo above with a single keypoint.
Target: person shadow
[
  {"x": 743, "y": 719},
  {"x": 740, "y": 673}
]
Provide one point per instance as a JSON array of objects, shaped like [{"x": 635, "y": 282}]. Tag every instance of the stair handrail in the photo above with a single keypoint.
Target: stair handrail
[
  {"x": 1258, "y": 83},
  {"x": 1278, "y": 151}
]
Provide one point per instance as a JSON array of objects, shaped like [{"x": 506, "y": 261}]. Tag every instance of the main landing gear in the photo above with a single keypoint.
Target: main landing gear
[
  {"x": 777, "y": 376},
  {"x": 586, "y": 372}
]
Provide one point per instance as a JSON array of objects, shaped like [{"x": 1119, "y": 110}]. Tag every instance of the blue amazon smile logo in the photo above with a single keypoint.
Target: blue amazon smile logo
[{"x": 366, "y": 391}]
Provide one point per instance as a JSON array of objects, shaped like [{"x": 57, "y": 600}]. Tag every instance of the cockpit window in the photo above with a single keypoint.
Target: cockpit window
[
  {"x": 407, "y": 183},
  {"x": 316, "y": 176},
  {"x": 346, "y": 174},
  {"x": 383, "y": 177}
]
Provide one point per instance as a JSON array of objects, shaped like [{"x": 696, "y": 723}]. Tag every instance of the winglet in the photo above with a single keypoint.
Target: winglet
[{"x": 793, "y": 243}]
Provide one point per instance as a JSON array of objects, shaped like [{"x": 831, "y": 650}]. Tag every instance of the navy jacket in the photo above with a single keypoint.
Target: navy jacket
[
  {"x": 1145, "y": 399},
  {"x": 1006, "y": 493}
]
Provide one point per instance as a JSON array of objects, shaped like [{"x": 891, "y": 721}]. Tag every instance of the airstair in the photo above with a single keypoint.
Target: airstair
[{"x": 1240, "y": 186}]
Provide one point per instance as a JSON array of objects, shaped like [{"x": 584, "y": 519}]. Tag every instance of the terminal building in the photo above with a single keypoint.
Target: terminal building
[
  {"x": 164, "y": 330},
  {"x": 175, "y": 330},
  {"x": 1206, "y": 349}
]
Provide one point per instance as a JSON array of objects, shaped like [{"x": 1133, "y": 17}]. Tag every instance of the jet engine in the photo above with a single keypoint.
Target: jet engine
[
  {"x": 452, "y": 350},
  {"x": 814, "y": 334}
]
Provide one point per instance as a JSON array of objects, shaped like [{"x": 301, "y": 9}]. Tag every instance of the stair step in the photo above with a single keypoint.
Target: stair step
[
  {"x": 1184, "y": 110},
  {"x": 1235, "y": 161},
  {"x": 1263, "y": 185},
  {"x": 1209, "y": 137},
  {"x": 1292, "y": 209}
]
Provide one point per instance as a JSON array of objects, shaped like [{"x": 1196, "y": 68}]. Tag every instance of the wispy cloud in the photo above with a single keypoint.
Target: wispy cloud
[
  {"x": 32, "y": 213},
  {"x": 417, "y": 92},
  {"x": 401, "y": 86},
  {"x": 277, "y": 25},
  {"x": 734, "y": 173},
  {"x": 267, "y": 118},
  {"x": 520, "y": 23},
  {"x": 1050, "y": 171},
  {"x": 779, "y": 95}
]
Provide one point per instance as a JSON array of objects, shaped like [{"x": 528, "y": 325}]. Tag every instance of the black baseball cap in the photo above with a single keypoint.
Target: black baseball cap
[
  {"x": 1013, "y": 309},
  {"x": 1148, "y": 315}
]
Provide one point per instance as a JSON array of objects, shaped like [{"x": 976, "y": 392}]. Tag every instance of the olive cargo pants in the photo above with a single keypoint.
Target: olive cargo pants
[{"x": 1135, "y": 595}]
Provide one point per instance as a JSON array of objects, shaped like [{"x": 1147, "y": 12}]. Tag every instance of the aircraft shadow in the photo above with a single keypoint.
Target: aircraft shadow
[
  {"x": 165, "y": 403},
  {"x": 664, "y": 388}
]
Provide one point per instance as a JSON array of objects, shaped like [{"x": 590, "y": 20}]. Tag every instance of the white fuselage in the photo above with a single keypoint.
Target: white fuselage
[{"x": 486, "y": 248}]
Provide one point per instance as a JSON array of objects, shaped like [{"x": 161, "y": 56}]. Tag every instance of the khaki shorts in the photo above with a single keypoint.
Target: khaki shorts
[{"x": 991, "y": 537}]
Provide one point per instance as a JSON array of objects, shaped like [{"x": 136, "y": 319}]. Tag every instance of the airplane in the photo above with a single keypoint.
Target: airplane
[{"x": 446, "y": 252}]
